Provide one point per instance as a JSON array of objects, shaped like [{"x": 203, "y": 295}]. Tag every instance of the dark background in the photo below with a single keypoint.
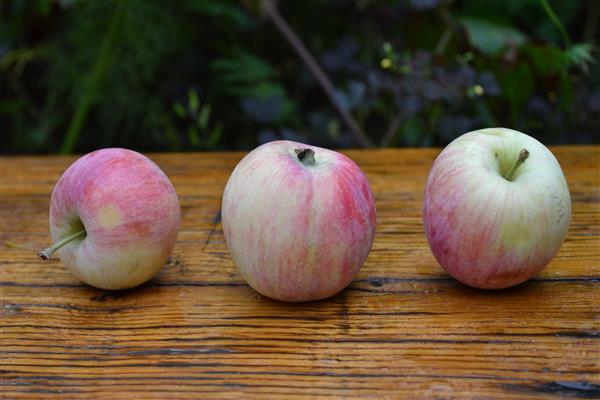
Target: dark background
[{"x": 157, "y": 75}]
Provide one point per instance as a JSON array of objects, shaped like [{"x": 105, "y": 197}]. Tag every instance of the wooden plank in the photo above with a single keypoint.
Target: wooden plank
[{"x": 402, "y": 329}]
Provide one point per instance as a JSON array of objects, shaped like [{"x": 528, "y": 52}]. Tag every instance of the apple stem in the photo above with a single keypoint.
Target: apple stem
[
  {"x": 306, "y": 156},
  {"x": 523, "y": 154},
  {"x": 47, "y": 252}
]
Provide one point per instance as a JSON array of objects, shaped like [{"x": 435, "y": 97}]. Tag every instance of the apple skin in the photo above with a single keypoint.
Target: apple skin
[
  {"x": 484, "y": 230},
  {"x": 298, "y": 232},
  {"x": 130, "y": 213}
]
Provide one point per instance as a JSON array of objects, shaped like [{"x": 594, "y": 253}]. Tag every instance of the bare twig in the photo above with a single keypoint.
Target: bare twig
[
  {"x": 392, "y": 129},
  {"x": 269, "y": 8},
  {"x": 446, "y": 17}
]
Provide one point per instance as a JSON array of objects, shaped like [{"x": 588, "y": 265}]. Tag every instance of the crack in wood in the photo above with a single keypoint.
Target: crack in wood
[
  {"x": 579, "y": 389},
  {"x": 213, "y": 229}
]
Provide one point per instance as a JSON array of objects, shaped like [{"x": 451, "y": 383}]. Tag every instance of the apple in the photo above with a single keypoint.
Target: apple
[
  {"x": 497, "y": 208},
  {"x": 299, "y": 220},
  {"x": 114, "y": 217}
]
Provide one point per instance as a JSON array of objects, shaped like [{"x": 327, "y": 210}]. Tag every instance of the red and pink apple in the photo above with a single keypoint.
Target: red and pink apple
[
  {"x": 299, "y": 220},
  {"x": 497, "y": 208},
  {"x": 114, "y": 217}
]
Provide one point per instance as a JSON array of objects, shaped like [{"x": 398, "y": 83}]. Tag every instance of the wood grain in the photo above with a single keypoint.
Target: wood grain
[{"x": 402, "y": 329}]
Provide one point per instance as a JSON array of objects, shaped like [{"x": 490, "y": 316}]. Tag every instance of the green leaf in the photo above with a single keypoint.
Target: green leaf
[
  {"x": 172, "y": 139},
  {"x": 243, "y": 66},
  {"x": 491, "y": 38},
  {"x": 221, "y": 9},
  {"x": 245, "y": 75},
  {"x": 193, "y": 101},
  {"x": 580, "y": 54},
  {"x": 193, "y": 136},
  {"x": 333, "y": 128},
  {"x": 95, "y": 77},
  {"x": 518, "y": 86},
  {"x": 214, "y": 136},
  {"x": 567, "y": 92},
  {"x": 17, "y": 59},
  {"x": 43, "y": 7},
  {"x": 11, "y": 106},
  {"x": 179, "y": 110},
  {"x": 547, "y": 60},
  {"x": 204, "y": 116},
  {"x": 267, "y": 89}
]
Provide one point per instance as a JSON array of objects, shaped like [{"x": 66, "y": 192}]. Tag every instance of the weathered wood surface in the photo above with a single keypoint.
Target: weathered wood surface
[{"x": 402, "y": 329}]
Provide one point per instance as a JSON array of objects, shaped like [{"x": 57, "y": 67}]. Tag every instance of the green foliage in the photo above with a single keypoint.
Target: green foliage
[
  {"x": 87, "y": 69},
  {"x": 96, "y": 76},
  {"x": 217, "y": 74},
  {"x": 201, "y": 133},
  {"x": 244, "y": 75},
  {"x": 580, "y": 54},
  {"x": 491, "y": 38},
  {"x": 518, "y": 86},
  {"x": 225, "y": 10},
  {"x": 547, "y": 60}
]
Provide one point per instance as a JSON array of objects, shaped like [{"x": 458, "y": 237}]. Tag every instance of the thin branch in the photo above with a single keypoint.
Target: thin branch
[
  {"x": 448, "y": 31},
  {"x": 441, "y": 45},
  {"x": 269, "y": 8},
  {"x": 392, "y": 129}
]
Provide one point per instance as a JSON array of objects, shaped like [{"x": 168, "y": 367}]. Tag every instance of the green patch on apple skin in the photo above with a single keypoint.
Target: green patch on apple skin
[
  {"x": 516, "y": 235},
  {"x": 494, "y": 132}
]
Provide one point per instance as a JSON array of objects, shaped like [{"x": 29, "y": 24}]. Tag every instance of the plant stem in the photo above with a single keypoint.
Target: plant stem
[
  {"x": 93, "y": 80},
  {"x": 47, "y": 252},
  {"x": 523, "y": 154},
  {"x": 269, "y": 7},
  {"x": 556, "y": 21}
]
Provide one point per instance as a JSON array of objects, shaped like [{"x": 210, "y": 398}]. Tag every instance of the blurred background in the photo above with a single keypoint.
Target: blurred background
[{"x": 190, "y": 75}]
